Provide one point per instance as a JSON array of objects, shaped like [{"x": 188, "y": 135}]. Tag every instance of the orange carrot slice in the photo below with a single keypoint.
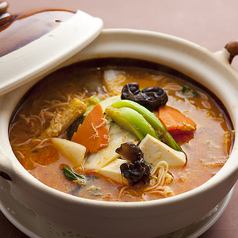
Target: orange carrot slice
[
  {"x": 174, "y": 120},
  {"x": 94, "y": 132}
]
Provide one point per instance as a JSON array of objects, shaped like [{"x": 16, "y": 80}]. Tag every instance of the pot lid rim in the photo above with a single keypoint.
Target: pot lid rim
[{"x": 42, "y": 55}]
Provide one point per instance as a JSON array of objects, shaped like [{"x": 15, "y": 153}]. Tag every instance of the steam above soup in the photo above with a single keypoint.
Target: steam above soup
[{"x": 120, "y": 130}]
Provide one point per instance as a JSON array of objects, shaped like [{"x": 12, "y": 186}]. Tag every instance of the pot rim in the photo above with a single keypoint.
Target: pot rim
[{"x": 211, "y": 183}]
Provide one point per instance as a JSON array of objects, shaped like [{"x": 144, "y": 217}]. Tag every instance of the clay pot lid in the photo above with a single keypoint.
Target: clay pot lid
[{"x": 34, "y": 57}]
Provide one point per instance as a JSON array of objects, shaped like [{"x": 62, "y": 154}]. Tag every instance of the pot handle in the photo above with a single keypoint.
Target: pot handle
[{"x": 232, "y": 48}]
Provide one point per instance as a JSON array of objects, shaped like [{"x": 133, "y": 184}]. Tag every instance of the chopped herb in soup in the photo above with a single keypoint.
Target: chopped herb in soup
[{"x": 120, "y": 130}]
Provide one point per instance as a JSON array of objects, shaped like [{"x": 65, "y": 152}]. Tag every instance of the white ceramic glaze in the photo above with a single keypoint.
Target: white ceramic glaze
[
  {"x": 35, "y": 226},
  {"x": 140, "y": 219}
]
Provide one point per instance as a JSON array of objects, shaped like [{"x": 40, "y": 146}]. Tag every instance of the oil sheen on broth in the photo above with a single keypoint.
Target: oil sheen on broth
[{"x": 207, "y": 146}]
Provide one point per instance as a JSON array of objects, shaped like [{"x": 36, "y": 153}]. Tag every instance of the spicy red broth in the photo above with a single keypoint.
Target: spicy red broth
[{"x": 207, "y": 147}]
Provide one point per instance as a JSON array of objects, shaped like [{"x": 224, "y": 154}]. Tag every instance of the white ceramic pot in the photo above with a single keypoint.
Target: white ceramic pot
[{"x": 139, "y": 219}]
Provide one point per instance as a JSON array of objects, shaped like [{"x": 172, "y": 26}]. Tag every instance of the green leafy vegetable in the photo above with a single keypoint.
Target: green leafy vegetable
[
  {"x": 69, "y": 174},
  {"x": 188, "y": 92}
]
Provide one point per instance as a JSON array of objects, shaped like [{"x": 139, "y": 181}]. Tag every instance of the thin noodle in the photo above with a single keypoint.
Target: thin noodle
[
  {"x": 23, "y": 143},
  {"x": 162, "y": 168},
  {"x": 36, "y": 123},
  {"x": 159, "y": 173},
  {"x": 158, "y": 192},
  {"x": 40, "y": 145},
  {"x": 122, "y": 191},
  {"x": 20, "y": 155}
]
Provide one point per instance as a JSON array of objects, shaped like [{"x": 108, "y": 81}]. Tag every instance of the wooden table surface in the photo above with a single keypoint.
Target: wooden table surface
[{"x": 209, "y": 23}]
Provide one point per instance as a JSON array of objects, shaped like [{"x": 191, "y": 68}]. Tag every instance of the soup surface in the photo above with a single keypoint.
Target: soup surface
[{"x": 86, "y": 165}]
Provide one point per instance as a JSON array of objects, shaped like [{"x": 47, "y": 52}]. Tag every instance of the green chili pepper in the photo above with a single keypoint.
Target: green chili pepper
[
  {"x": 157, "y": 125},
  {"x": 131, "y": 120}
]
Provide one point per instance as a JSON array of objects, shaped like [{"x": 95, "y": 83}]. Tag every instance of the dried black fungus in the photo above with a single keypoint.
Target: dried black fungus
[
  {"x": 74, "y": 126},
  {"x": 137, "y": 170},
  {"x": 152, "y": 98}
]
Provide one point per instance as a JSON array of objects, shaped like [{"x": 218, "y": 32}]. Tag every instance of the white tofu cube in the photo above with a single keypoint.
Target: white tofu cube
[
  {"x": 113, "y": 172},
  {"x": 155, "y": 151}
]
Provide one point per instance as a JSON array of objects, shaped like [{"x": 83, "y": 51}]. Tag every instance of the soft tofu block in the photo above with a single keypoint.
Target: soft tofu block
[
  {"x": 155, "y": 151},
  {"x": 113, "y": 172}
]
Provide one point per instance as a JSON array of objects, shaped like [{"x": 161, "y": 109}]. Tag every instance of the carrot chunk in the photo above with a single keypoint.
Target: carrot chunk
[
  {"x": 94, "y": 132},
  {"x": 174, "y": 120}
]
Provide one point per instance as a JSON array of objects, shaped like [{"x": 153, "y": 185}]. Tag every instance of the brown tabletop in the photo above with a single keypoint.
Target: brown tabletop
[{"x": 209, "y": 23}]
